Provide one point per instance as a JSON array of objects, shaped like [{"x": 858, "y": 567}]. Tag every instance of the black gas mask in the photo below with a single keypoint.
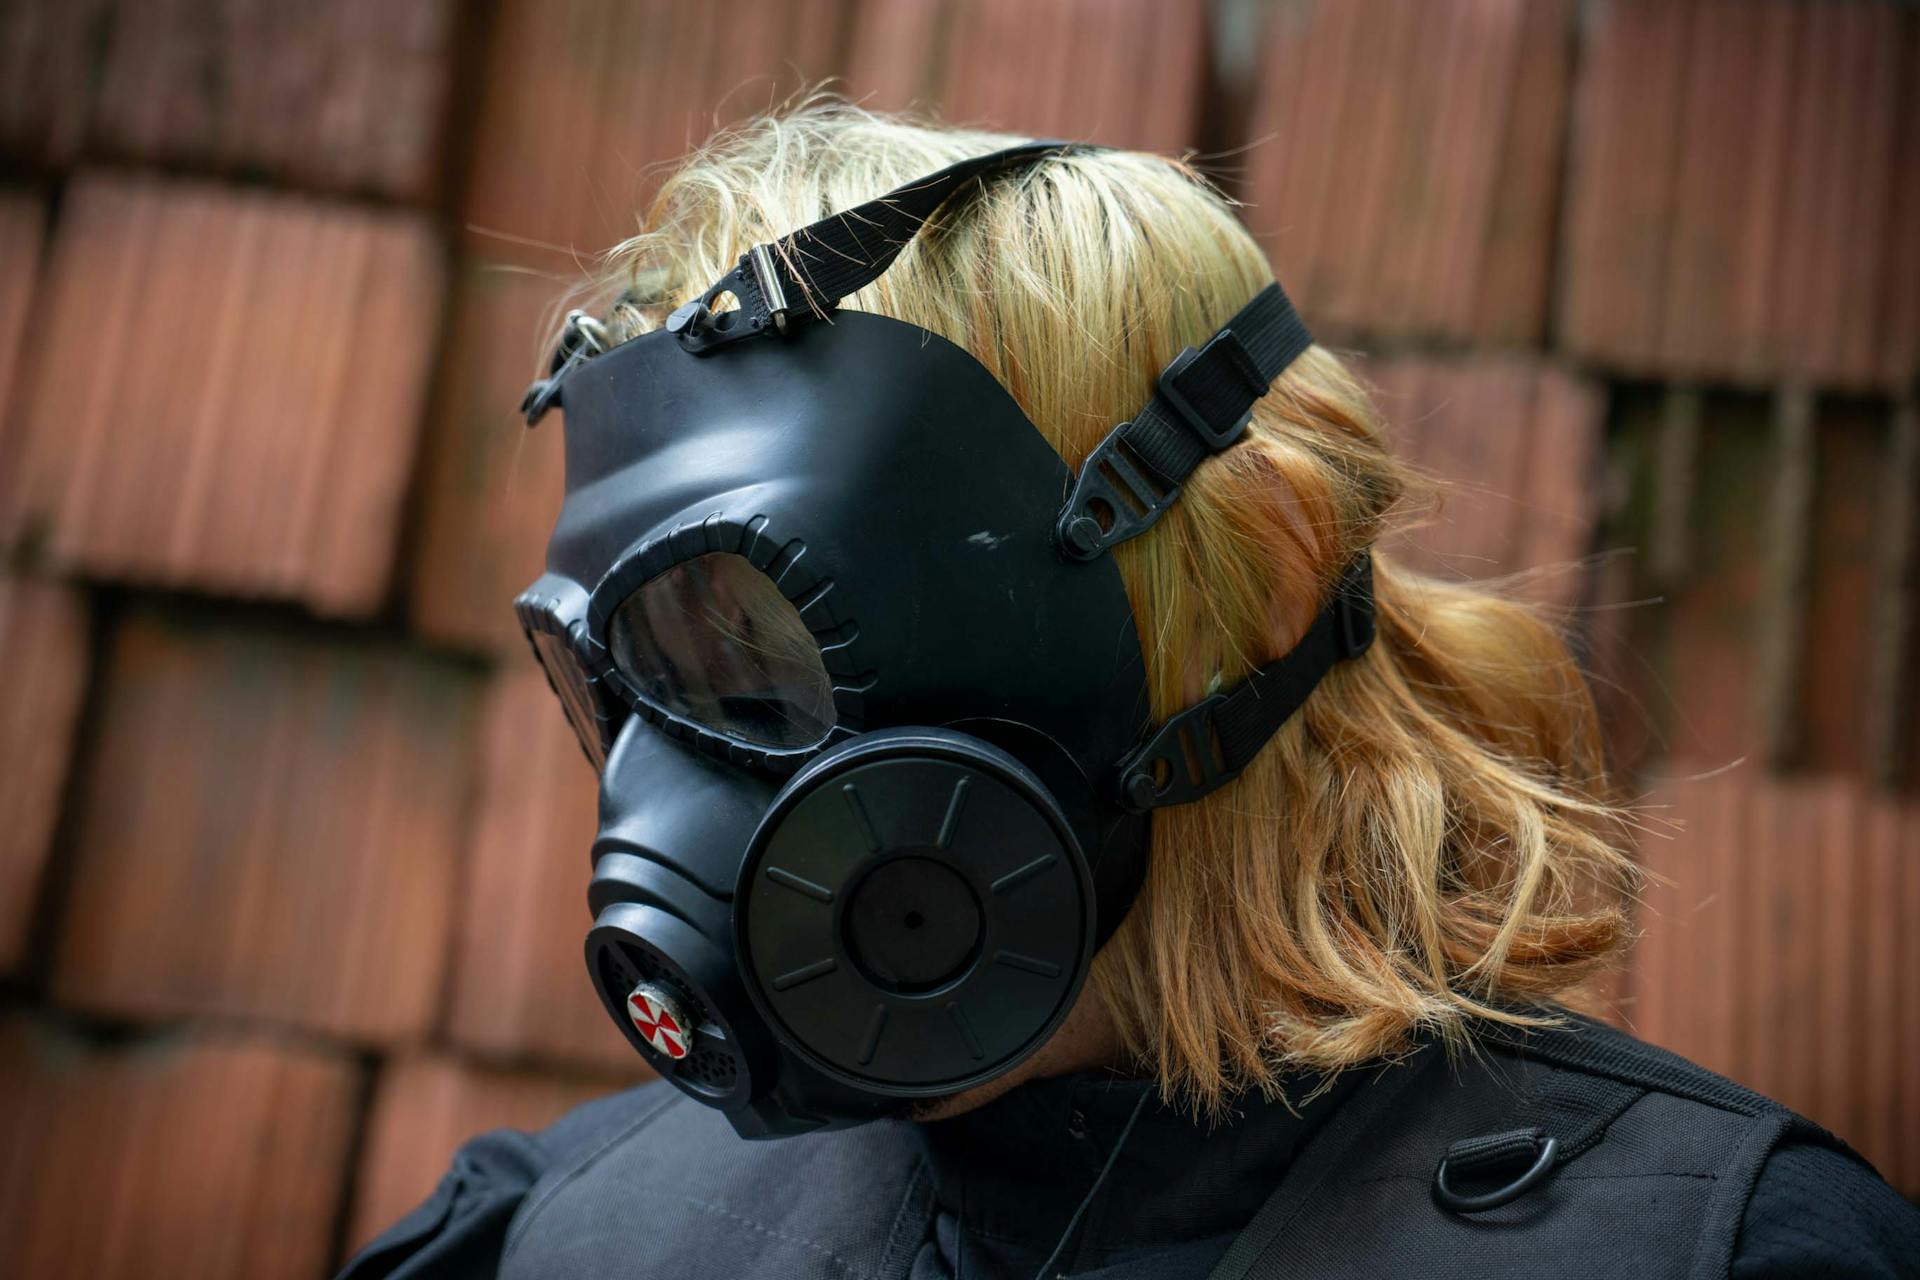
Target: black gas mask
[{"x": 837, "y": 628}]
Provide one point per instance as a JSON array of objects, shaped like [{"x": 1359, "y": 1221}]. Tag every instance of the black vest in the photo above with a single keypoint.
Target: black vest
[{"x": 1570, "y": 1151}]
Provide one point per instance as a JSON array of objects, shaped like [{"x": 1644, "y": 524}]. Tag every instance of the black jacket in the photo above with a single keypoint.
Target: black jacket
[{"x": 1659, "y": 1169}]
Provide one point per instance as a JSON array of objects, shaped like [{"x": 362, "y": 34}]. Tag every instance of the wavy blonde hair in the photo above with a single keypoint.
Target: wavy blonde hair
[{"x": 1429, "y": 840}]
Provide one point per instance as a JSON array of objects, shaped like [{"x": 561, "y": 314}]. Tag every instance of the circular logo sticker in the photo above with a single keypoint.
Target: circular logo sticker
[{"x": 657, "y": 1016}]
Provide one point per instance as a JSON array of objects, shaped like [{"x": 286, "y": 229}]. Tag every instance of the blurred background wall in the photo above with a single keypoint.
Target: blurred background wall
[{"x": 293, "y": 841}]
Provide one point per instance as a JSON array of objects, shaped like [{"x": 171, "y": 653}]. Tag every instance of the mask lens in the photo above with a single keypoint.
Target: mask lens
[
  {"x": 569, "y": 680},
  {"x": 712, "y": 640}
]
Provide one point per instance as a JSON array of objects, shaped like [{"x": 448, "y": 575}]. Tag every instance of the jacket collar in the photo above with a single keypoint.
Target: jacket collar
[{"x": 1015, "y": 1169}]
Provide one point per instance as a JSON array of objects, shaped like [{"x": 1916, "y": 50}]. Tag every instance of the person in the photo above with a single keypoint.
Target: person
[{"x": 1070, "y": 848}]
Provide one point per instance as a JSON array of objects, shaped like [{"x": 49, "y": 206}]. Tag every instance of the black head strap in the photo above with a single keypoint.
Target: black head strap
[
  {"x": 798, "y": 278},
  {"x": 1200, "y": 406},
  {"x": 1206, "y": 746},
  {"x": 804, "y": 275}
]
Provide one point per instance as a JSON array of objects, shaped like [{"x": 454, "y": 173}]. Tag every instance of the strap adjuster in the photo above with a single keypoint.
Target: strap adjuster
[
  {"x": 1353, "y": 602},
  {"x": 1224, "y": 350}
]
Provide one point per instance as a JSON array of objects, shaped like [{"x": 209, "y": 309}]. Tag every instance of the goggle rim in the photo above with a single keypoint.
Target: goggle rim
[
  {"x": 812, "y": 596},
  {"x": 543, "y": 611}
]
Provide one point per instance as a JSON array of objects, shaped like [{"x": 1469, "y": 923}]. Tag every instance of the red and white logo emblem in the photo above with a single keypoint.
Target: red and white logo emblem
[{"x": 657, "y": 1017}]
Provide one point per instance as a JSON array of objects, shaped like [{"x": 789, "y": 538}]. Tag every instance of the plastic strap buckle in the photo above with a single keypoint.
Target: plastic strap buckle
[
  {"x": 1355, "y": 608},
  {"x": 581, "y": 338},
  {"x": 1223, "y": 352},
  {"x": 1180, "y": 763},
  {"x": 756, "y": 285}
]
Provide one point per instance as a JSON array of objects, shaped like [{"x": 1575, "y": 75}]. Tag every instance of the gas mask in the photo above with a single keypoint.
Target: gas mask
[{"x": 837, "y": 628}]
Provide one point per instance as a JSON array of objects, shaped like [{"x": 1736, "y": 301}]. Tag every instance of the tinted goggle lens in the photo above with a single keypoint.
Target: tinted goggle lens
[
  {"x": 712, "y": 640},
  {"x": 576, "y": 692}
]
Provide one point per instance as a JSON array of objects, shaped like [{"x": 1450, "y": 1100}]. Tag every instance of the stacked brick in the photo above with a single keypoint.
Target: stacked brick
[
  {"x": 588, "y": 99},
  {"x": 221, "y": 1153},
  {"x": 291, "y": 799},
  {"x": 293, "y": 843},
  {"x": 346, "y": 95},
  {"x": 1127, "y": 73},
  {"x": 1403, "y": 162},
  {"x": 1789, "y": 902},
  {"x": 226, "y": 391},
  {"x": 1516, "y": 445},
  {"x": 1770, "y": 234},
  {"x": 44, "y": 644}
]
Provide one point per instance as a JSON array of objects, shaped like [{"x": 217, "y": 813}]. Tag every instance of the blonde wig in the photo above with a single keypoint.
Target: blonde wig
[{"x": 1428, "y": 840}]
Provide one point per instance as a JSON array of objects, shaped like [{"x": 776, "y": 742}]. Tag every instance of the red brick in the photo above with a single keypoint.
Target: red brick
[
  {"x": 1889, "y": 983},
  {"x": 1402, "y": 162},
  {"x": 1686, "y": 961},
  {"x": 588, "y": 98},
  {"x": 1734, "y": 185},
  {"x": 1726, "y": 176},
  {"x": 1373, "y": 119},
  {"x": 1616, "y": 666},
  {"x": 1896, "y": 724},
  {"x": 1906, "y": 1124},
  {"x": 43, "y": 649},
  {"x": 1559, "y": 493},
  {"x": 1843, "y": 611},
  {"x": 1759, "y": 199},
  {"x": 274, "y": 358},
  {"x": 46, "y": 71},
  {"x": 519, "y": 984},
  {"x": 1136, "y": 65},
  {"x": 268, "y": 830},
  {"x": 21, "y": 220},
  {"x": 1714, "y": 623},
  {"x": 1899, "y": 354},
  {"x": 1516, "y": 274},
  {"x": 1463, "y": 171},
  {"x": 222, "y": 1156},
  {"x": 424, "y": 1107},
  {"x": 1620, "y": 185},
  {"x": 1829, "y": 295},
  {"x": 491, "y": 487},
  {"x": 1288, "y": 194},
  {"x": 1774, "y": 951},
  {"x": 338, "y": 94},
  {"x": 1515, "y": 444}
]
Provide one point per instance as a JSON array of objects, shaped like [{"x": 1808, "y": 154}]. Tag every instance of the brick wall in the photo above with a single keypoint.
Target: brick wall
[{"x": 292, "y": 844}]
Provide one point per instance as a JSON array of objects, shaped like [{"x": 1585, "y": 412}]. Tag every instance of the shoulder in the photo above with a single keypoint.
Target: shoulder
[
  {"x": 1796, "y": 1200},
  {"x": 1556, "y": 1144},
  {"x": 653, "y": 1172},
  {"x": 1816, "y": 1210}
]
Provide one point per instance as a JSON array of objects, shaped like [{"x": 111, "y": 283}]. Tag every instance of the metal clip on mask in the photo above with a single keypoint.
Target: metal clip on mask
[{"x": 868, "y": 705}]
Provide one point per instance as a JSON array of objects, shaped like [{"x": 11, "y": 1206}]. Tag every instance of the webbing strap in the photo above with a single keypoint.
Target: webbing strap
[
  {"x": 804, "y": 275},
  {"x": 1206, "y": 746},
  {"x": 797, "y": 278},
  {"x": 1200, "y": 406}
]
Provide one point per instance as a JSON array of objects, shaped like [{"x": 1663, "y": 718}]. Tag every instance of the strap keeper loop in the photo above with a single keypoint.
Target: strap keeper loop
[{"x": 1223, "y": 350}]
